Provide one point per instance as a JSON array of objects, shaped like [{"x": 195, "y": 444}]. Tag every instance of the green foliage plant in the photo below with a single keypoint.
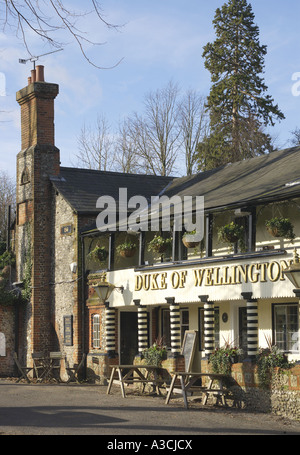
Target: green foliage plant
[
  {"x": 2, "y": 247},
  {"x": 27, "y": 277},
  {"x": 231, "y": 233},
  {"x": 126, "y": 249},
  {"x": 99, "y": 253},
  {"x": 7, "y": 258},
  {"x": 27, "y": 274},
  {"x": 155, "y": 354},
  {"x": 159, "y": 244},
  {"x": 281, "y": 227},
  {"x": 238, "y": 104},
  {"x": 267, "y": 360},
  {"x": 7, "y": 296},
  {"x": 222, "y": 359}
]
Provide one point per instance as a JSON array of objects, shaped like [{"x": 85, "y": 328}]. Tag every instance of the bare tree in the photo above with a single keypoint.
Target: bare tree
[
  {"x": 156, "y": 133},
  {"x": 152, "y": 142},
  {"x": 95, "y": 149},
  {"x": 295, "y": 141},
  {"x": 7, "y": 198},
  {"x": 47, "y": 20},
  {"x": 126, "y": 158},
  {"x": 193, "y": 125}
]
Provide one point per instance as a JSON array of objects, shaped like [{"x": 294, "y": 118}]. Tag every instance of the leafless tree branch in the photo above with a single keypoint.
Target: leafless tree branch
[
  {"x": 46, "y": 19},
  {"x": 95, "y": 149}
]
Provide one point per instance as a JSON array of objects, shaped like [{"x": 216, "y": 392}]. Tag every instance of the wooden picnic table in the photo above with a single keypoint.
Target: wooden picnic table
[
  {"x": 187, "y": 383},
  {"x": 133, "y": 374}
]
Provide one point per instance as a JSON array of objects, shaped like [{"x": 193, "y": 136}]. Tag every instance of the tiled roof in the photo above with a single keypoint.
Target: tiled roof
[
  {"x": 257, "y": 180},
  {"x": 82, "y": 187}
]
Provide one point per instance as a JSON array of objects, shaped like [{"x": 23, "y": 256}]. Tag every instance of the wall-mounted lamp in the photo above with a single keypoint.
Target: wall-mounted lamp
[
  {"x": 293, "y": 273},
  {"x": 17, "y": 287},
  {"x": 104, "y": 288}
]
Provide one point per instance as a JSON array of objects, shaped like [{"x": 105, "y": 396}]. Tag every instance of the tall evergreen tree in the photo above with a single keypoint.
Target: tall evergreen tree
[{"x": 238, "y": 104}]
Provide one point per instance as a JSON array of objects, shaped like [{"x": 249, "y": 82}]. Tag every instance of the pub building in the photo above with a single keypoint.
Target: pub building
[
  {"x": 87, "y": 295},
  {"x": 234, "y": 293}
]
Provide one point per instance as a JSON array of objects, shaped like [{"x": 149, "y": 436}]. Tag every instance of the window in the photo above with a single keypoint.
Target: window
[
  {"x": 2, "y": 345},
  {"x": 286, "y": 327},
  {"x": 184, "y": 323},
  {"x": 201, "y": 328},
  {"x": 25, "y": 177},
  {"x": 165, "y": 327},
  {"x": 96, "y": 331},
  {"x": 243, "y": 329},
  {"x": 243, "y": 244}
]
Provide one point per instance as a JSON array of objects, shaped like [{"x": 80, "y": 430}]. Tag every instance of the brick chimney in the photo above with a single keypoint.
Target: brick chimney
[
  {"x": 36, "y": 162},
  {"x": 37, "y": 110}
]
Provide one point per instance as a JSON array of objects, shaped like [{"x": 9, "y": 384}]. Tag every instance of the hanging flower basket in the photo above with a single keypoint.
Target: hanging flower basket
[
  {"x": 159, "y": 244},
  {"x": 280, "y": 227},
  {"x": 230, "y": 233},
  {"x": 99, "y": 253},
  {"x": 188, "y": 244},
  {"x": 126, "y": 249},
  {"x": 160, "y": 248},
  {"x": 127, "y": 253}
]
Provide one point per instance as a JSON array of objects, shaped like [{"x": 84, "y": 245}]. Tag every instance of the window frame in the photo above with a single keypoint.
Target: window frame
[
  {"x": 95, "y": 330},
  {"x": 274, "y": 337}
]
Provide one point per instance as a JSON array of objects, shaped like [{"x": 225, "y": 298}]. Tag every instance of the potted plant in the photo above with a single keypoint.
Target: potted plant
[
  {"x": 159, "y": 244},
  {"x": 126, "y": 249},
  {"x": 99, "y": 253},
  {"x": 230, "y": 233},
  {"x": 280, "y": 227},
  {"x": 222, "y": 358},
  {"x": 155, "y": 354},
  {"x": 267, "y": 360},
  {"x": 187, "y": 243}
]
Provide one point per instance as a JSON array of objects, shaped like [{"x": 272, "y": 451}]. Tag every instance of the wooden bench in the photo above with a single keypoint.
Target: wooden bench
[
  {"x": 133, "y": 374},
  {"x": 187, "y": 381}
]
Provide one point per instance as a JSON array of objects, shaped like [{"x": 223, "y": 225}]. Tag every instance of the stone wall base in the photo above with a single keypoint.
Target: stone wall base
[
  {"x": 98, "y": 367},
  {"x": 282, "y": 398}
]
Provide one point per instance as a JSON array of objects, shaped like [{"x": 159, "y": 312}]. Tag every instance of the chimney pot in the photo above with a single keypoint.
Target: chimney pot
[
  {"x": 29, "y": 80},
  {"x": 40, "y": 73},
  {"x": 33, "y": 76}
]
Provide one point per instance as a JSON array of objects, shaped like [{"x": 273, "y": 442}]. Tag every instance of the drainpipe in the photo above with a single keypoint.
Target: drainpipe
[{"x": 82, "y": 295}]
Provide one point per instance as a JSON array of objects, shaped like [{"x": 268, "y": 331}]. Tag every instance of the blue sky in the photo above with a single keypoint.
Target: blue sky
[{"x": 161, "y": 40}]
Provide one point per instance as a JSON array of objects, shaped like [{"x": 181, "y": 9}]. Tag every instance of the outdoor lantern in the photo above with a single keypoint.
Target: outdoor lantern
[
  {"x": 104, "y": 288},
  {"x": 293, "y": 272}
]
